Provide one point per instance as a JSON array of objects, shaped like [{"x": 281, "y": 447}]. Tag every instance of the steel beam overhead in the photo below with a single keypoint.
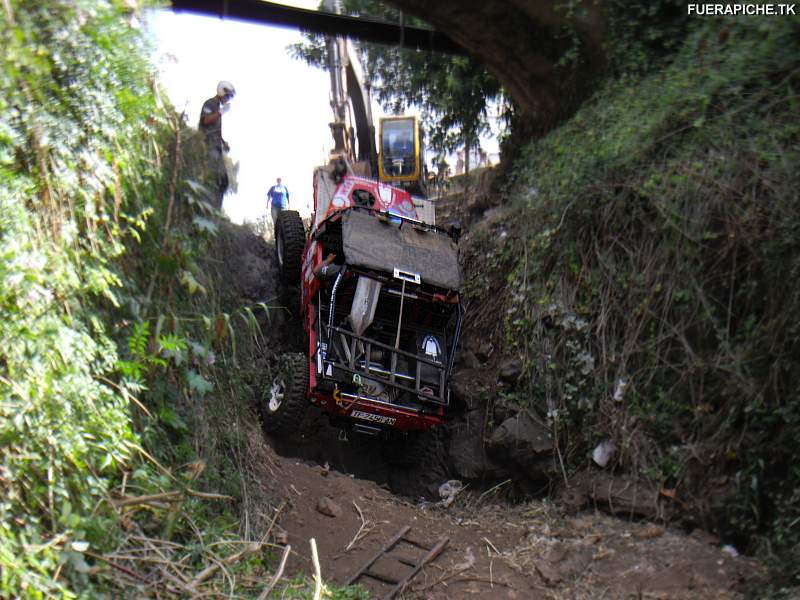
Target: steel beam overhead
[{"x": 368, "y": 30}]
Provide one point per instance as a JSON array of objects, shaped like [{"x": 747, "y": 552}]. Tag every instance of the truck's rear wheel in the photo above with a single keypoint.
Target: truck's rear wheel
[
  {"x": 284, "y": 400},
  {"x": 290, "y": 239}
]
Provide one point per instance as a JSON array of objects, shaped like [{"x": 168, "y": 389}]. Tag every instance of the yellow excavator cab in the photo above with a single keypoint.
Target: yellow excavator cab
[{"x": 399, "y": 154}]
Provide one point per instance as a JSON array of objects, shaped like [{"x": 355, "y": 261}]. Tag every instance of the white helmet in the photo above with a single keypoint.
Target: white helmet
[{"x": 225, "y": 88}]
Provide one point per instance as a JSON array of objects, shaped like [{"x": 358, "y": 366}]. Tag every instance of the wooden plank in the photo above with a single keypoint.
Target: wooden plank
[
  {"x": 435, "y": 551},
  {"x": 380, "y": 577},
  {"x": 386, "y": 547},
  {"x": 387, "y": 569},
  {"x": 417, "y": 543}
]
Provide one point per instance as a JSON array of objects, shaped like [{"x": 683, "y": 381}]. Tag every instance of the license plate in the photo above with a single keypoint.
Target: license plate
[{"x": 358, "y": 414}]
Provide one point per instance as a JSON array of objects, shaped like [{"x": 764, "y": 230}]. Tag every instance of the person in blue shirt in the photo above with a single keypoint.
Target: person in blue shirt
[{"x": 278, "y": 196}]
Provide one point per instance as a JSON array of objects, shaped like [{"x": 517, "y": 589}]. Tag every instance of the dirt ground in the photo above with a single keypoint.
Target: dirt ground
[{"x": 495, "y": 550}]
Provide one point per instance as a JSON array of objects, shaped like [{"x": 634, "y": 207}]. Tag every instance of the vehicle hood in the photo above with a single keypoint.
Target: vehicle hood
[{"x": 370, "y": 243}]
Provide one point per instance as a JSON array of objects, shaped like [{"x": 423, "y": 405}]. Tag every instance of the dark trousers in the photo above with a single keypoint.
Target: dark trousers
[{"x": 216, "y": 168}]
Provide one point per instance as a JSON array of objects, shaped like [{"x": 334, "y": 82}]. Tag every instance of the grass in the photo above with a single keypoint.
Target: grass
[{"x": 130, "y": 457}]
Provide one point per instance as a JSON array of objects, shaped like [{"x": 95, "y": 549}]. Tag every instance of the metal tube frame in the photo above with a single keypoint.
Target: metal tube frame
[
  {"x": 353, "y": 367},
  {"x": 350, "y": 339}
]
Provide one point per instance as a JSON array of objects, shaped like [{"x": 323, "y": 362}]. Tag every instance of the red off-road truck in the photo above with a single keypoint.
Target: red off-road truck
[{"x": 382, "y": 320}]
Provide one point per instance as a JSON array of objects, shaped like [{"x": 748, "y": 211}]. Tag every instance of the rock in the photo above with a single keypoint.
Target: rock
[
  {"x": 282, "y": 538},
  {"x": 603, "y": 452},
  {"x": 504, "y": 410},
  {"x": 581, "y": 525},
  {"x": 469, "y": 459},
  {"x": 463, "y": 387},
  {"x": 467, "y": 360},
  {"x": 614, "y": 494},
  {"x": 704, "y": 537},
  {"x": 548, "y": 572},
  {"x": 649, "y": 532},
  {"x": 573, "y": 497},
  {"x": 624, "y": 496},
  {"x": 509, "y": 371},
  {"x": 603, "y": 553},
  {"x": 328, "y": 507},
  {"x": 525, "y": 442},
  {"x": 557, "y": 554}
]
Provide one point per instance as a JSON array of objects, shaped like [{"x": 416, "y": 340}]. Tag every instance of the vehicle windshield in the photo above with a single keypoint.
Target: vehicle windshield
[{"x": 397, "y": 146}]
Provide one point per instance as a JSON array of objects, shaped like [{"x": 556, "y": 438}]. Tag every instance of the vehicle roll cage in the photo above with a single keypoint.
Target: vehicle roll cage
[
  {"x": 407, "y": 382},
  {"x": 392, "y": 376}
]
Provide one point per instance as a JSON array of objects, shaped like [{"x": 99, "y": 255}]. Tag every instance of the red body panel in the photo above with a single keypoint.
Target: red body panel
[
  {"x": 404, "y": 420},
  {"x": 361, "y": 410},
  {"x": 387, "y": 198}
]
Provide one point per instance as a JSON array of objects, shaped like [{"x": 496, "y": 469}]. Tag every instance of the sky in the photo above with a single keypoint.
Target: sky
[{"x": 277, "y": 125}]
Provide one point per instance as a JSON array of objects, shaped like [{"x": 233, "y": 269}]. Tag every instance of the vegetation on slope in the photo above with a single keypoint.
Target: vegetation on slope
[
  {"x": 650, "y": 294},
  {"x": 652, "y": 257},
  {"x": 123, "y": 448}
]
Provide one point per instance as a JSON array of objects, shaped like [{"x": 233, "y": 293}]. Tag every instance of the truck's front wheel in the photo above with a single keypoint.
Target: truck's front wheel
[{"x": 284, "y": 400}]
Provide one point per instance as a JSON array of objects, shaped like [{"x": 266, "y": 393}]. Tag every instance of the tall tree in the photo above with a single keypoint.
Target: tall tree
[{"x": 453, "y": 93}]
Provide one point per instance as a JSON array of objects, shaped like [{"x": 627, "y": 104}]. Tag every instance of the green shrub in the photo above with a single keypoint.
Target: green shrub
[
  {"x": 109, "y": 325},
  {"x": 653, "y": 247}
]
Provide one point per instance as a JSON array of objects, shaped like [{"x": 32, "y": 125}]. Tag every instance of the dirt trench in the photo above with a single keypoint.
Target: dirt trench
[{"x": 345, "y": 496}]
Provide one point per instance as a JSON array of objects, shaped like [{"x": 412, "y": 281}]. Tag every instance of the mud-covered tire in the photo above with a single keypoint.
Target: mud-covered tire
[
  {"x": 290, "y": 239},
  {"x": 284, "y": 401},
  {"x": 412, "y": 449}
]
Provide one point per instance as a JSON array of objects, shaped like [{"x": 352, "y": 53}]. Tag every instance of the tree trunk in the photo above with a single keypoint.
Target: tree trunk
[
  {"x": 522, "y": 42},
  {"x": 466, "y": 157}
]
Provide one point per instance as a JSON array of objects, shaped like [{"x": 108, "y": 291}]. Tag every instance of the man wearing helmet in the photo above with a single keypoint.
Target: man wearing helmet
[{"x": 211, "y": 125}]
